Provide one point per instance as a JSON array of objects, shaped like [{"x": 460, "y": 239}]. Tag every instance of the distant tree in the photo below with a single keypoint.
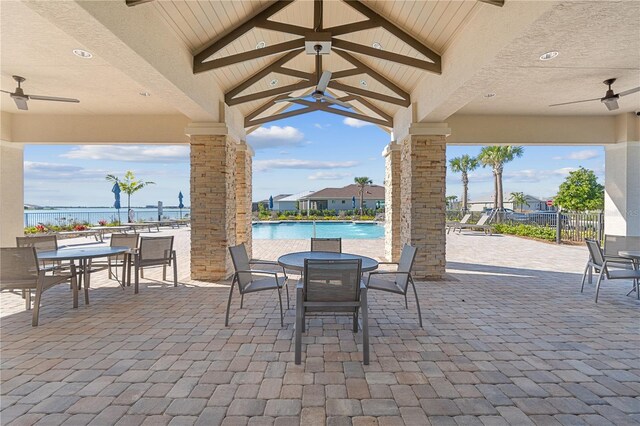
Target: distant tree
[
  {"x": 496, "y": 157},
  {"x": 362, "y": 183},
  {"x": 464, "y": 164},
  {"x": 518, "y": 199},
  {"x": 451, "y": 200},
  {"x": 580, "y": 191},
  {"x": 129, "y": 185}
]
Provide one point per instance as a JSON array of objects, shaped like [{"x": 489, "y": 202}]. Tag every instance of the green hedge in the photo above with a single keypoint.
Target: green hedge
[{"x": 532, "y": 231}]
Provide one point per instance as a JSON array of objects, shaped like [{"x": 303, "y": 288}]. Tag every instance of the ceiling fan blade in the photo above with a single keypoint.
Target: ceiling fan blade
[
  {"x": 21, "y": 103},
  {"x": 575, "y": 102},
  {"x": 52, "y": 98},
  {"x": 4, "y": 91},
  {"x": 336, "y": 101},
  {"x": 288, "y": 100},
  {"x": 628, "y": 92},
  {"x": 324, "y": 81},
  {"x": 612, "y": 104}
]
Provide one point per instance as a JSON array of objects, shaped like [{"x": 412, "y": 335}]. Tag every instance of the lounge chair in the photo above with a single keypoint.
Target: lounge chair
[
  {"x": 155, "y": 251},
  {"x": 20, "y": 270},
  {"x": 454, "y": 224},
  {"x": 332, "y": 286},
  {"x": 481, "y": 225},
  {"x": 333, "y": 245},
  {"x": 600, "y": 264}
]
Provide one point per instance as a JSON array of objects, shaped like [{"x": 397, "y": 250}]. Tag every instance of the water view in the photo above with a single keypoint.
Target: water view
[{"x": 305, "y": 230}]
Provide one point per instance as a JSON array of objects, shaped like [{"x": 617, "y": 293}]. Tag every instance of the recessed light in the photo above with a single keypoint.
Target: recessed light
[
  {"x": 376, "y": 45},
  {"x": 363, "y": 83},
  {"x": 145, "y": 94},
  {"x": 489, "y": 95},
  {"x": 82, "y": 54},
  {"x": 261, "y": 45},
  {"x": 273, "y": 82},
  {"x": 549, "y": 55}
]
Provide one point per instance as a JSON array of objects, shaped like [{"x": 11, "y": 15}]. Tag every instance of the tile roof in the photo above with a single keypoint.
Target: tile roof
[{"x": 372, "y": 192}]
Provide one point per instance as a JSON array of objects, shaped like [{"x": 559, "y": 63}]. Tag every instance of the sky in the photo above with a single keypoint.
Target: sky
[{"x": 307, "y": 152}]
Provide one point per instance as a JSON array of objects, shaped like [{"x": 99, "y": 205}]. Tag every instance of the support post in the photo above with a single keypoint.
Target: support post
[
  {"x": 244, "y": 161},
  {"x": 11, "y": 192},
  {"x": 392, "y": 245},
  {"x": 622, "y": 189}
]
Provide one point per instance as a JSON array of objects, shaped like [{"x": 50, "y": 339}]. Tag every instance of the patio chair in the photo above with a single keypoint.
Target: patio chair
[
  {"x": 600, "y": 264},
  {"x": 41, "y": 243},
  {"x": 155, "y": 251},
  {"x": 615, "y": 243},
  {"x": 454, "y": 224},
  {"x": 118, "y": 260},
  {"x": 481, "y": 225},
  {"x": 401, "y": 277},
  {"x": 332, "y": 286},
  {"x": 332, "y": 245},
  {"x": 253, "y": 280},
  {"x": 20, "y": 270}
]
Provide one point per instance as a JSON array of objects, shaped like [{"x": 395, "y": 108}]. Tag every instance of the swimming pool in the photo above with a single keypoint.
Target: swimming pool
[{"x": 304, "y": 230}]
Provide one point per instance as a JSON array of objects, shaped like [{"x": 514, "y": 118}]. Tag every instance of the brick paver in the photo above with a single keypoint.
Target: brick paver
[{"x": 508, "y": 340}]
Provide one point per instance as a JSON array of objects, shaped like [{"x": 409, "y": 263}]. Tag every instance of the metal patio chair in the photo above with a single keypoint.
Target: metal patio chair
[
  {"x": 155, "y": 251},
  {"x": 114, "y": 262},
  {"x": 20, "y": 270},
  {"x": 615, "y": 243},
  {"x": 332, "y": 245},
  {"x": 600, "y": 264},
  {"x": 401, "y": 277},
  {"x": 332, "y": 286},
  {"x": 254, "y": 280}
]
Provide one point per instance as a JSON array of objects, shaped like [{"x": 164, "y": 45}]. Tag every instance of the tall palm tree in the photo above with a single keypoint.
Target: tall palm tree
[
  {"x": 128, "y": 185},
  {"x": 362, "y": 182},
  {"x": 518, "y": 199},
  {"x": 496, "y": 157},
  {"x": 464, "y": 164}
]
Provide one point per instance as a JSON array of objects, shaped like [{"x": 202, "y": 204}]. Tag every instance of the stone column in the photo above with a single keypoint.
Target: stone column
[
  {"x": 423, "y": 212},
  {"x": 213, "y": 200},
  {"x": 11, "y": 192},
  {"x": 622, "y": 189},
  {"x": 243, "y": 195},
  {"x": 392, "y": 203}
]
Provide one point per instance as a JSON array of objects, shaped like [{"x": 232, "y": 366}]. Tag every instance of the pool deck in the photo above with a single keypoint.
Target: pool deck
[{"x": 508, "y": 340}]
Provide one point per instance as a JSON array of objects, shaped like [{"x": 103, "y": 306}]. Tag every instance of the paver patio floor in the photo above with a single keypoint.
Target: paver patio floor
[{"x": 507, "y": 339}]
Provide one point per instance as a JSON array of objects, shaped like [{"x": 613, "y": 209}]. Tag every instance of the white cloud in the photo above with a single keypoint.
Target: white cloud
[
  {"x": 586, "y": 154},
  {"x": 564, "y": 171},
  {"x": 321, "y": 126},
  {"x": 131, "y": 153},
  {"x": 264, "y": 165},
  {"x": 353, "y": 122},
  {"x": 328, "y": 176},
  {"x": 274, "y": 136},
  {"x": 38, "y": 171}
]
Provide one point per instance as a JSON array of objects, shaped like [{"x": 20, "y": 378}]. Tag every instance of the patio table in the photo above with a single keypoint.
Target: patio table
[
  {"x": 634, "y": 255},
  {"x": 84, "y": 256},
  {"x": 296, "y": 260}
]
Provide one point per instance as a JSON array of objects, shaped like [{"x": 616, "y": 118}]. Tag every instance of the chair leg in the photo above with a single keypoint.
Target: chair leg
[
  {"x": 590, "y": 275},
  {"x": 141, "y": 272},
  {"x": 415, "y": 292},
  {"x": 175, "y": 270},
  {"x": 584, "y": 277},
  {"x": 36, "y": 304},
  {"x": 286, "y": 290},
  {"x": 299, "y": 326},
  {"x": 355, "y": 321},
  {"x": 281, "y": 314},
  {"x": 241, "y": 300},
  {"x": 27, "y": 298},
  {"x": 85, "y": 272},
  {"x": 226, "y": 319},
  {"x": 598, "y": 283},
  {"x": 365, "y": 327},
  {"x": 138, "y": 274},
  {"x": 164, "y": 272},
  {"x": 406, "y": 303}
]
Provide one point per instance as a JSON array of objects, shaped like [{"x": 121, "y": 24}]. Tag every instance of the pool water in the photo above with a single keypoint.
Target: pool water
[{"x": 304, "y": 230}]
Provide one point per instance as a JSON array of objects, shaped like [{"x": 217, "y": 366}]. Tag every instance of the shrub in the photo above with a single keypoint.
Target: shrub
[{"x": 532, "y": 231}]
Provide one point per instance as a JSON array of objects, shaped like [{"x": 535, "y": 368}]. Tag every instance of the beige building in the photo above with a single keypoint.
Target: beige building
[{"x": 345, "y": 198}]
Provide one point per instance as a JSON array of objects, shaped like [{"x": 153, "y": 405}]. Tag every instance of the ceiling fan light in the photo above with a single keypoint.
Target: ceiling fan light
[
  {"x": 145, "y": 94},
  {"x": 547, "y": 56},
  {"x": 261, "y": 45},
  {"x": 363, "y": 83},
  {"x": 81, "y": 53},
  {"x": 273, "y": 82},
  {"x": 376, "y": 45}
]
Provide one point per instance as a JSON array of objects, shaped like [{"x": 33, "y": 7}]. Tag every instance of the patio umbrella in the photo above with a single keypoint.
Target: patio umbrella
[
  {"x": 271, "y": 202},
  {"x": 180, "y": 205},
  {"x": 353, "y": 202},
  {"x": 116, "y": 193}
]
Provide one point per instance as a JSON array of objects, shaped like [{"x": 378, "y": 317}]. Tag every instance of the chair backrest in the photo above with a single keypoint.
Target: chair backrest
[
  {"x": 595, "y": 252},
  {"x": 483, "y": 219},
  {"x": 333, "y": 245},
  {"x": 125, "y": 240},
  {"x": 331, "y": 282},
  {"x": 614, "y": 243},
  {"x": 405, "y": 264},
  {"x": 465, "y": 218},
  {"x": 240, "y": 260},
  {"x": 18, "y": 267},
  {"x": 155, "y": 250},
  {"x": 40, "y": 242}
]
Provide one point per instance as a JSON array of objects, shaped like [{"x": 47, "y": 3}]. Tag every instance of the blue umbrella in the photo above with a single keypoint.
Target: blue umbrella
[
  {"x": 180, "y": 205},
  {"x": 271, "y": 202},
  {"x": 116, "y": 193},
  {"x": 353, "y": 202}
]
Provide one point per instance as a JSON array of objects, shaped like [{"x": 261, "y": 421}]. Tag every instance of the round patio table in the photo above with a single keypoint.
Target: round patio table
[
  {"x": 634, "y": 255},
  {"x": 83, "y": 256},
  {"x": 296, "y": 260}
]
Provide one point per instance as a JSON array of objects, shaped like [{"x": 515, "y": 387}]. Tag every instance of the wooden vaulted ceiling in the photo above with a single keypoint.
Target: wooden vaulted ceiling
[{"x": 375, "y": 81}]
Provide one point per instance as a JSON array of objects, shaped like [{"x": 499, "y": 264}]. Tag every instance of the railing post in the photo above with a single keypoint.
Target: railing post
[
  {"x": 558, "y": 227},
  {"x": 600, "y": 226}
]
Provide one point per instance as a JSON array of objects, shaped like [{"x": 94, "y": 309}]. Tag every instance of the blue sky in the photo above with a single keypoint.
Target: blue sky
[{"x": 308, "y": 152}]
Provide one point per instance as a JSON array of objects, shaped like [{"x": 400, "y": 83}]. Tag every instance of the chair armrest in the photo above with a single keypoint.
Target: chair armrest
[
  {"x": 388, "y": 263},
  {"x": 265, "y": 262},
  {"x": 387, "y": 273},
  {"x": 257, "y": 272}
]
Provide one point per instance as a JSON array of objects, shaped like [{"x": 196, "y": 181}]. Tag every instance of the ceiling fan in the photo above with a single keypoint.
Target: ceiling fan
[
  {"x": 21, "y": 98},
  {"x": 610, "y": 99},
  {"x": 318, "y": 94}
]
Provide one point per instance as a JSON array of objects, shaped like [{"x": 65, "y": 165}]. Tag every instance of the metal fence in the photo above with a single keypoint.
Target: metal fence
[
  {"x": 67, "y": 217},
  {"x": 569, "y": 227}
]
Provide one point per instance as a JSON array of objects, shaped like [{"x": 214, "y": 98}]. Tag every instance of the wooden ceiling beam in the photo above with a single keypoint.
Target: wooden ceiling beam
[
  {"x": 268, "y": 93},
  {"x": 272, "y": 67},
  {"x": 240, "y": 30},
  {"x": 371, "y": 106},
  {"x": 317, "y": 15},
  {"x": 131, "y": 3},
  {"x": 280, "y": 116},
  {"x": 369, "y": 94},
  {"x": 247, "y": 56},
  {"x": 395, "y": 30},
  {"x": 296, "y": 73},
  {"x": 265, "y": 106},
  {"x": 352, "y": 28},
  {"x": 325, "y": 106},
  {"x": 346, "y": 73},
  {"x": 283, "y": 28},
  {"x": 498, "y": 3},
  {"x": 387, "y": 56}
]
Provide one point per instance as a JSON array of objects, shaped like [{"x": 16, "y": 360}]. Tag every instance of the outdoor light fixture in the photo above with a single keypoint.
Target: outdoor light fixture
[
  {"x": 549, "y": 55},
  {"x": 82, "y": 54},
  {"x": 273, "y": 82},
  {"x": 145, "y": 94},
  {"x": 376, "y": 45},
  {"x": 261, "y": 45},
  {"x": 363, "y": 83}
]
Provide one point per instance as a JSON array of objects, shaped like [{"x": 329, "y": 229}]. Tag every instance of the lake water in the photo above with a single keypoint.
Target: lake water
[
  {"x": 61, "y": 216},
  {"x": 305, "y": 230}
]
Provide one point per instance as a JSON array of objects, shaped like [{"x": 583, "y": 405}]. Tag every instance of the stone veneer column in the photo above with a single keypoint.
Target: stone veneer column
[
  {"x": 392, "y": 203},
  {"x": 213, "y": 201},
  {"x": 11, "y": 192},
  {"x": 423, "y": 213},
  {"x": 243, "y": 195}
]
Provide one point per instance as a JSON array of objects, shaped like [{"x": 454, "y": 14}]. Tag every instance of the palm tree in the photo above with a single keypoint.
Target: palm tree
[
  {"x": 518, "y": 199},
  {"x": 496, "y": 156},
  {"x": 362, "y": 182},
  {"x": 129, "y": 185},
  {"x": 464, "y": 164}
]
